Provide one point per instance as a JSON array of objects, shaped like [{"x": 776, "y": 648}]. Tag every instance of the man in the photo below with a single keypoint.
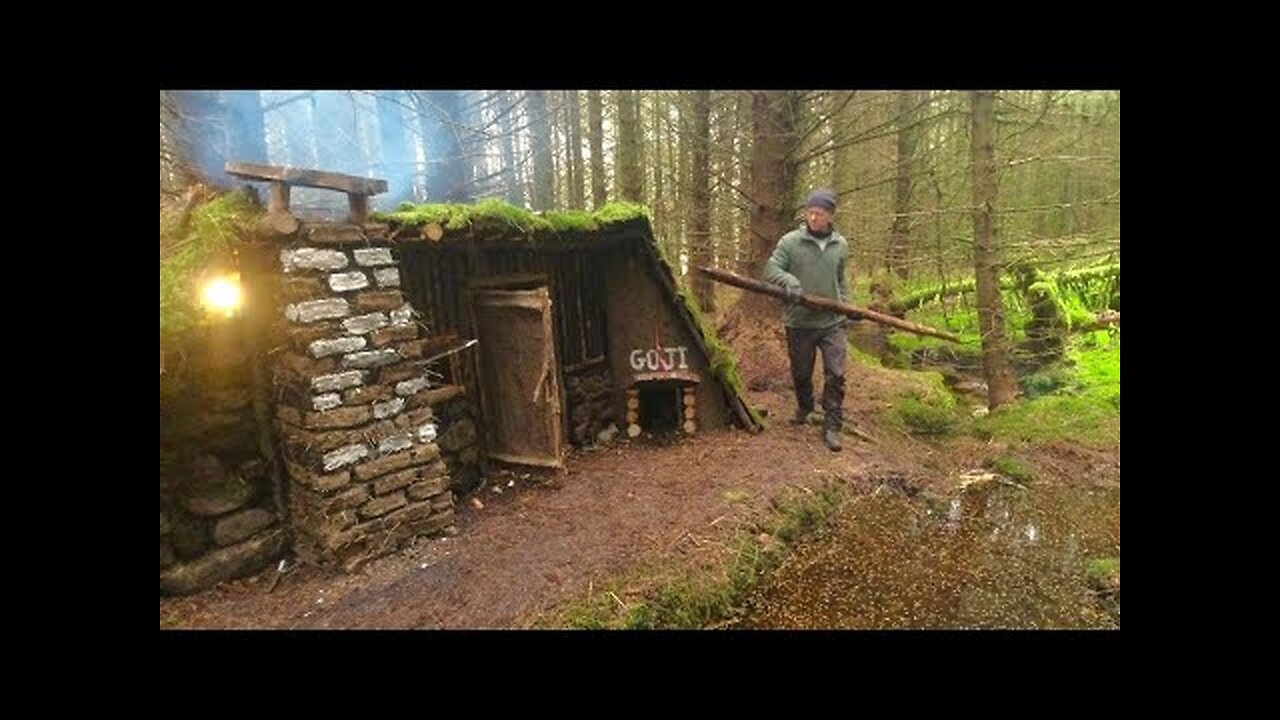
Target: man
[{"x": 810, "y": 260}]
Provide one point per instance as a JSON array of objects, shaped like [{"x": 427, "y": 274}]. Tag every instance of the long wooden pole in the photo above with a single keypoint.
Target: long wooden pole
[{"x": 819, "y": 303}]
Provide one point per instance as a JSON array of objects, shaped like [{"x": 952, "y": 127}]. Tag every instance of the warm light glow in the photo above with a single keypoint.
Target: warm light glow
[{"x": 222, "y": 294}]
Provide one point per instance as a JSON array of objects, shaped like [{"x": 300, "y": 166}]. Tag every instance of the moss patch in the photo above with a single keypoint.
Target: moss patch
[{"x": 498, "y": 215}]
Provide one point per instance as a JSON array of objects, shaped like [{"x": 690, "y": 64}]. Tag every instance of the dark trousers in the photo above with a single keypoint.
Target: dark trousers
[{"x": 802, "y": 345}]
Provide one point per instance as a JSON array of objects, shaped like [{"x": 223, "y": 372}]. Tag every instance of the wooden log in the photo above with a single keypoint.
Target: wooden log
[
  {"x": 690, "y": 413},
  {"x": 277, "y": 224},
  {"x": 818, "y": 303},
  {"x": 279, "y": 200},
  {"x": 633, "y": 430},
  {"x": 433, "y": 232},
  {"x": 633, "y": 417},
  {"x": 359, "y": 206},
  {"x": 689, "y": 399},
  {"x": 1103, "y": 320},
  {"x": 690, "y": 427},
  {"x": 633, "y": 403}
]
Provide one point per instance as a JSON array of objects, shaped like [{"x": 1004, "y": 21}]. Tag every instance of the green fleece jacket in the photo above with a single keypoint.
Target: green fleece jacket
[{"x": 815, "y": 264}]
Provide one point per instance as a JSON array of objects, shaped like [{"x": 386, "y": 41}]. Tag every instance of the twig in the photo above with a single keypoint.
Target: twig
[
  {"x": 281, "y": 571},
  {"x": 615, "y": 599},
  {"x": 858, "y": 433}
]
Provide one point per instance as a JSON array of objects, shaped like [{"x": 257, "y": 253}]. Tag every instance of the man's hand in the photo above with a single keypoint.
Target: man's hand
[{"x": 793, "y": 294}]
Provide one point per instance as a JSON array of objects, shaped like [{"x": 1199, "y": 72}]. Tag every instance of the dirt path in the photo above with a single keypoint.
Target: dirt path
[{"x": 547, "y": 539}]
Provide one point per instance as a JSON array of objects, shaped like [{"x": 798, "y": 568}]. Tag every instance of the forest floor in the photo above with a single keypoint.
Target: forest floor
[{"x": 623, "y": 521}]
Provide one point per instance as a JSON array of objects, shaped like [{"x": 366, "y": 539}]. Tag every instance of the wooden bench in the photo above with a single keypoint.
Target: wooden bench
[{"x": 358, "y": 189}]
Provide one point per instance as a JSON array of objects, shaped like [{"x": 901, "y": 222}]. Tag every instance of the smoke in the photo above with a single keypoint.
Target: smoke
[{"x": 413, "y": 140}]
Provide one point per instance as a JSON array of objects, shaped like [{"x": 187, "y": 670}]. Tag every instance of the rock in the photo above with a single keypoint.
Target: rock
[
  {"x": 240, "y": 526},
  {"x": 209, "y": 490},
  {"x": 190, "y": 537},
  {"x": 223, "y": 564},
  {"x": 608, "y": 434},
  {"x": 459, "y": 435},
  {"x": 255, "y": 469}
]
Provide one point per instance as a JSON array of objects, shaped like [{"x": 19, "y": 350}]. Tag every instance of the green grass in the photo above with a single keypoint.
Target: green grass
[
  {"x": 1012, "y": 469},
  {"x": 1084, "y": 406},
  {"x": 924, "y": 419},
  {"x": 212, "y": 236}
]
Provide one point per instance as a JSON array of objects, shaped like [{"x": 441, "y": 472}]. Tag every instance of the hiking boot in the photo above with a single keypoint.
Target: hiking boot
[
  {"x": 831, "y": 438},
  {"x": 801, "y": 417}
]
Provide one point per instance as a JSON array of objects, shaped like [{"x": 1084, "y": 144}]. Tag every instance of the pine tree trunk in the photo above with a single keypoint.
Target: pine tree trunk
[
  {"x": 557, "y": 163},
  {"x": 986, "y": 255},
  {"x": 772, "y": 182},
  {"x": 630, "y": 179},
  {"x": 576, "y": 191},
  {"x": 900, "y": 234},
  {"x": 454, "y": 173},
  {"x": 510, "y": 181},
  {"x": 659, "y": 202},
  {"x": 595, "y": 134},
  {"x": 543, "y": 178},
  {"x": 742, "y": 177},
  {"x": 844, "y": 178},
  {"x": 700, "y": 232}
]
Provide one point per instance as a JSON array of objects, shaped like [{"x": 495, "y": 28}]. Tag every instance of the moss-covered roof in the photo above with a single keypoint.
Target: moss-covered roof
[{"x": 498, "y": 215}]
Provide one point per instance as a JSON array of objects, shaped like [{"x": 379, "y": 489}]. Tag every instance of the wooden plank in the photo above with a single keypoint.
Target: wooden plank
[
  {"x": 557, "y": 420},
  {"x": 570, "y": 369},
  {"x": 681, "y": 375},
  {"x": 443, "y": 394},
  {"x": 527, "y": 299},
  {"x": 581, "y": 326},
  {"x": 307, "y": 178},
  {"x": 512, "y": 281},
  {"x": 525, "y": 460}
]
